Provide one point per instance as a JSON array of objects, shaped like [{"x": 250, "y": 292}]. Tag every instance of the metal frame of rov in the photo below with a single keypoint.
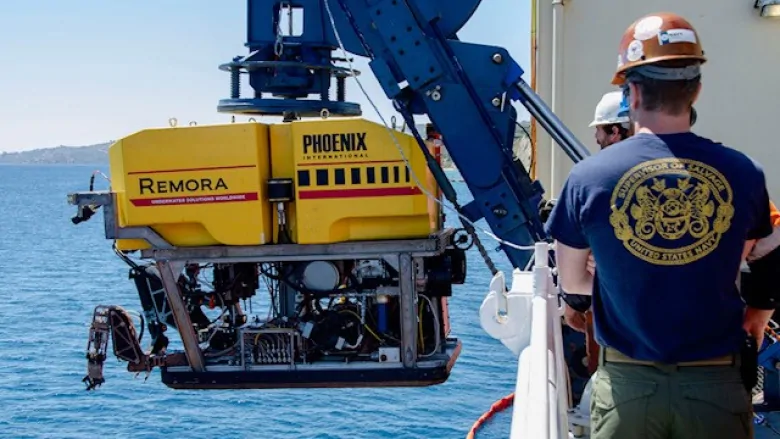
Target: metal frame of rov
[{"x": 373, "y": 335}]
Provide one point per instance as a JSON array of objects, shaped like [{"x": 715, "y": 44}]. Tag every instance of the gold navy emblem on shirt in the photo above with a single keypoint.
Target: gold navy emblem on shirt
[{"x": 671, "y": 211}]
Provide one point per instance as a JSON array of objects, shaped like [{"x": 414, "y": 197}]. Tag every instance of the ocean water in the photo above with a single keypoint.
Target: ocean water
[{"x": 54, "y": 273}]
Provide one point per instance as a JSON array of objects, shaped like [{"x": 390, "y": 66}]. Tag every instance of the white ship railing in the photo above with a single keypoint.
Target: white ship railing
[{"x": 527, "y": 320}]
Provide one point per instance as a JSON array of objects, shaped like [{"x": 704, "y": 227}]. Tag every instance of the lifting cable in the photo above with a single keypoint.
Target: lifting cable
[{"x": 497, "y": 407}]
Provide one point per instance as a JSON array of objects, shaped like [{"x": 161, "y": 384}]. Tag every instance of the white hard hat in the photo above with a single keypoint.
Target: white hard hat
[{"x": 608, "y": 110}]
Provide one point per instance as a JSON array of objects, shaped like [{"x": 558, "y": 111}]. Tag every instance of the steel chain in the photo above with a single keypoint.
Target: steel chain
[{"x": 481, "y": 248}]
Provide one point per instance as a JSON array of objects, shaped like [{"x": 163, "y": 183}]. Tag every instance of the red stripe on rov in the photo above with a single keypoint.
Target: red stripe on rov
[{"x": 359, "y": 193}]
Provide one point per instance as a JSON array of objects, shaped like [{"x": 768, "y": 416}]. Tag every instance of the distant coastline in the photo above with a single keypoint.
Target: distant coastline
[{"x": 60, "y": 155}]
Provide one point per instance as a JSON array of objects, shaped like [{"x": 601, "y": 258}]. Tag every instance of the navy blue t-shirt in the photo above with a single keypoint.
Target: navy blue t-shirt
[{"x": 666, "y": 218}]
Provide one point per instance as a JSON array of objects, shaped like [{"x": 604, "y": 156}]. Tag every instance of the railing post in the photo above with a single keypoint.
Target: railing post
[
  {"x": 535, "y": 421},
  {"x": 527, "y": 320}
]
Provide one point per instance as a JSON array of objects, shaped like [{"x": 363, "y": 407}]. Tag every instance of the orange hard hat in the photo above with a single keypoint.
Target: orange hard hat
[{"x": 656, "y": 38}]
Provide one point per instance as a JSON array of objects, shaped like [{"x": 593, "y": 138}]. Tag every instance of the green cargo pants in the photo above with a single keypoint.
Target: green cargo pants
[{"x": 632, "y": 401}]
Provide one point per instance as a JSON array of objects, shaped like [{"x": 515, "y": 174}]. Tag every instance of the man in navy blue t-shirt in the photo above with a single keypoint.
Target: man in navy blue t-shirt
[{"x": 668, "y": 216}]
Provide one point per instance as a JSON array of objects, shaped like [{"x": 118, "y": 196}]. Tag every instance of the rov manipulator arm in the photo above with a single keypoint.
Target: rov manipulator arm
[{"x": 465, "y": 89}]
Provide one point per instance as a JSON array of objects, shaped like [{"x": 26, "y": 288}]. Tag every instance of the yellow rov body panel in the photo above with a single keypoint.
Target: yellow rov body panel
[
  {"x": 351, "y": 183},
  {"x": 206, "y": 185},
  {"x": 195, "y": 186}
]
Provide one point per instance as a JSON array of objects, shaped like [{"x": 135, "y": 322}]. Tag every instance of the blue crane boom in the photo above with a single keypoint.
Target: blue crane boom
[{"x": 465, "y": 89}]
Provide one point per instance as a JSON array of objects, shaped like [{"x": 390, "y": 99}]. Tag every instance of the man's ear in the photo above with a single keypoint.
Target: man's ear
[
  {"x": 634, "y": 98},
  {"x": 696, "y": 95}
]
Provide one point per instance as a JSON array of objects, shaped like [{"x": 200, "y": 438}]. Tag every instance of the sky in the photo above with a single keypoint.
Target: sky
[{"x": 82, "y": 72}]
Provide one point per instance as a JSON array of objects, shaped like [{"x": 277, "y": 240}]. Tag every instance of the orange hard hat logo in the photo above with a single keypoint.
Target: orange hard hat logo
[{"x": 657, "y": 38}]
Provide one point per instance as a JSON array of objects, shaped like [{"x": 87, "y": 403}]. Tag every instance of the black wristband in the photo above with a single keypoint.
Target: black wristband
[
  {"x": 577, "y": 302},
  {"x": 545, "y": 208},
  {"x": 760, "y": 288}
]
